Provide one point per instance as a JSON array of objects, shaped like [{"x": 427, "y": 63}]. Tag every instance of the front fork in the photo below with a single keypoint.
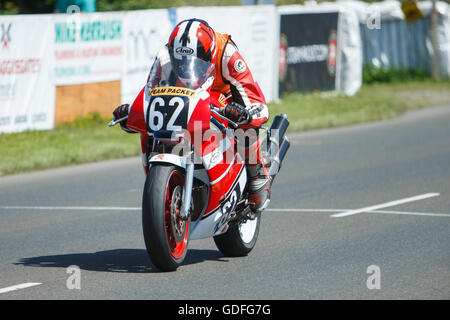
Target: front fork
[{"x": 187, "y": 191}]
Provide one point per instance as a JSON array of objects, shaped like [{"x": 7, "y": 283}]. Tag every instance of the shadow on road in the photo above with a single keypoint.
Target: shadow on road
[{"x": 118, "y": 260}]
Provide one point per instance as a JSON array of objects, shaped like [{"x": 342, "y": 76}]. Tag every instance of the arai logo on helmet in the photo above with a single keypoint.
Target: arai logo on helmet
[{"x": 184, "y": 51}]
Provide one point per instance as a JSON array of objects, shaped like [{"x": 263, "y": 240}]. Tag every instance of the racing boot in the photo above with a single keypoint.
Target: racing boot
[{"x": 259, "y": 187}]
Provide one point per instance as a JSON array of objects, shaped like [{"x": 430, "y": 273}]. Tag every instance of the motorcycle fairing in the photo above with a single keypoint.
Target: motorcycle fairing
[
  {"x": 178, "y": 161},
  {"x": 216, "y": 222},
  {"x": 137, "y": 112}
]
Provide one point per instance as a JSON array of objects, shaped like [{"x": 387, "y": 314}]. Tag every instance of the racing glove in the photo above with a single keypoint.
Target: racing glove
[
  {"x": 120, "y": 112},
  {"x": 237, "y": 113}
]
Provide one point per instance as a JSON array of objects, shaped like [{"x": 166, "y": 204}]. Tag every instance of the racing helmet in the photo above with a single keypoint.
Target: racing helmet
[
  {"x": 192, "y": 42},
  {"x": 193, "y": 37}
]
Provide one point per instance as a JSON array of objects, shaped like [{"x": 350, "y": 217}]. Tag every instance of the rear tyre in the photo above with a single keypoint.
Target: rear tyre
[
  {"x": 240, "y": 238},
  {"x": 166, "y": 235}
]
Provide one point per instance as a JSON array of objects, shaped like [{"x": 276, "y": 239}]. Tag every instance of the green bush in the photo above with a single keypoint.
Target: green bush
[{"x": 372, "y": 74}]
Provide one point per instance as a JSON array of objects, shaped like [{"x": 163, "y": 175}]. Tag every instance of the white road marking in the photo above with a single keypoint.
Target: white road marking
[
  {"x": 306, "y": 210},
  {"x": 338, "y": 212},
  {"x": 19, "y": 286},
  {"x": 385, "y": 205},
  {"x": 71, "y": 208},
  {"x": 408, "y": 213}
]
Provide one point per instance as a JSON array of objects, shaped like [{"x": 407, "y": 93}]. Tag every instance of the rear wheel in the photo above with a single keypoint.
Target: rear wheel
[
  {"x": 166, "y": 235},
  {"x": 240, "y": 238}
]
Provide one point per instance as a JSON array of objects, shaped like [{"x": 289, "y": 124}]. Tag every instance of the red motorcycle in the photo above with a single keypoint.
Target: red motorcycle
[{"x": 196, "y": 185}]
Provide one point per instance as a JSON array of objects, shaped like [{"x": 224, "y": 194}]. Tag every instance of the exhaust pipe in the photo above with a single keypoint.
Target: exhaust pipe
[
  {"x": 277, "y": 144},
  {"x": 276, "y": 132},
  {"x": 284, "y": 147},
  {"x": 277, "y": 160}
]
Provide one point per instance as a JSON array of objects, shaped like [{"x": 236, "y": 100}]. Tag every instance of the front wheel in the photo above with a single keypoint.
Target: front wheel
[
  {"x": 240, "y": 238},
  {"x": 165, "y": 233}
]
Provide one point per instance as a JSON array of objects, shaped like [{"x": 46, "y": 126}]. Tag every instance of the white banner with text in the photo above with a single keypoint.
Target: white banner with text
[
  {"x": 88, "y": 47},
  {"x": 27, "y": 90}
]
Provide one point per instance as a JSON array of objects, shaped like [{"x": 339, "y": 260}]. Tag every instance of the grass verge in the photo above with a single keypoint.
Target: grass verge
[
  {"x": 89, "y": 139},
  {"x": 86, "y": 140},
  {"x": 373, "y": 102}
]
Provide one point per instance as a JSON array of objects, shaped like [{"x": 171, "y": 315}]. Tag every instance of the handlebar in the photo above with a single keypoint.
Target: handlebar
[
  {"x": 230, "y": 122},
  {"x": 233, "y": 124},
  {"x": 114, "y": 121}
]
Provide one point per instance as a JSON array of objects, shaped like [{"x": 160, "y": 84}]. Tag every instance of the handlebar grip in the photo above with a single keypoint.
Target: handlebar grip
[{"x": 230, "y": 122}]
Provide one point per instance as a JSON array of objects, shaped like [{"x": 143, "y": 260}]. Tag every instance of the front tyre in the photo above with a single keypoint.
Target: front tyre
[
  {"x": 166, "y": 235},
  {"x": 240, "y": 238}
]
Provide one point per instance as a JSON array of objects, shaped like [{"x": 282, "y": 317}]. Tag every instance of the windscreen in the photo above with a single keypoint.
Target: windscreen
[{"x": 189, "y": 72}]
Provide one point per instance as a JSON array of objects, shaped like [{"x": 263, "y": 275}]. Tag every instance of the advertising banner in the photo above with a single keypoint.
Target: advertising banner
[
  {"x": 88, "y": 47},
  {"x": 145, "y": 32},
  {"x": 308, "y": 50},
  {"x": 27, "y": 92}
]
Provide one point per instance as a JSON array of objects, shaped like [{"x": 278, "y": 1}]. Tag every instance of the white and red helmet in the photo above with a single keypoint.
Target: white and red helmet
[
  {"x": 193, "y": 37},
  {"x": 192, "y": 48}
]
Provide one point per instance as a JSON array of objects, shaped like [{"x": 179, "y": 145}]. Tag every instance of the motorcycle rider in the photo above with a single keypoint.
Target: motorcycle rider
[{"x": 245, "y": 103}]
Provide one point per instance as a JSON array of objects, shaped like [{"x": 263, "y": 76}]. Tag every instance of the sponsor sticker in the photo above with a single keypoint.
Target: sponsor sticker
[
  {"x": 184, "y": 51},
  {"x": 240, "y": 66},
  {"x": 171, "y": 91}
]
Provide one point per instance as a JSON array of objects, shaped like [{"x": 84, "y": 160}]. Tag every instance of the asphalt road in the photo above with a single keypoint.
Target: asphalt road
[{"x": 55, "y": 219}]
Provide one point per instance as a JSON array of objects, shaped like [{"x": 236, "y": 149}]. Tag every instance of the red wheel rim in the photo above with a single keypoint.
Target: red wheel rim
[{"x": 177, "y": 230}]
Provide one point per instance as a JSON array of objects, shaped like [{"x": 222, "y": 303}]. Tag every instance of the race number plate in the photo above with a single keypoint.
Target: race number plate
[{"x": 167, "y": 112}]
